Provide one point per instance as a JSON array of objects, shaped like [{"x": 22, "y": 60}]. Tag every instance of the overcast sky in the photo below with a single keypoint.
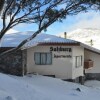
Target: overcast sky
[{"x": 90, "y": 19}]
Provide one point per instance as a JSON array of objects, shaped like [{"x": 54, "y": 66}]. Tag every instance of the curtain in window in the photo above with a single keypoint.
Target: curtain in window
[
  {"x": 37, "y": 58},
  {"x": 78, "y": 61},
  {"x": 43, "y": 58},
  {"x": 49, "y": 58}
]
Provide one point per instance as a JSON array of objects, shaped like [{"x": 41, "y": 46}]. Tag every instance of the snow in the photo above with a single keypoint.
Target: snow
[
  {"x": 85, "y": 35},
  {"x": 47, "y": 38},
  {"x": 14, "y": 39},
  {"x": 93, "y": 84},
  {"x": 11, "y": 31},
  {"x": 37, "y": 87},
  {"x": 90, "y": 48}
]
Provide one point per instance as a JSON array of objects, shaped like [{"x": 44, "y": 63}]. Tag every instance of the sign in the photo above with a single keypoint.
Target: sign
[
  {"x": 62, "y": 56},
  {"x": 60, "y": 49}
]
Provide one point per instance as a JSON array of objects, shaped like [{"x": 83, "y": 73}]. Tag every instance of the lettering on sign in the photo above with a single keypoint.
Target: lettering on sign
[
  {"x": 58, "y": 49},
  {"x": 62, "y": 56}
]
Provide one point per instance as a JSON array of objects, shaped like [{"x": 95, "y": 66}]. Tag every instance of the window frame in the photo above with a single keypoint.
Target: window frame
[
  {"x": 41, "y": 57},
  {"x": 78, "y": 63}
]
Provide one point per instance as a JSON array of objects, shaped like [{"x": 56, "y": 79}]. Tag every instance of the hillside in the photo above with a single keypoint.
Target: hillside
[
  {"x": 85, "y": 35},
  {"x": 11, "y": 31}
]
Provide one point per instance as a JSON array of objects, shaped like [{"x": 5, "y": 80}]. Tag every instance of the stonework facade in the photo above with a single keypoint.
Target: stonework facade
[
  {"x": 12, "y": 63},
  {"x": 92, "y": 76}
]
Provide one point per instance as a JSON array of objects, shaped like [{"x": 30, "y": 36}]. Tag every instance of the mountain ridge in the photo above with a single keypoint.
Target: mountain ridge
[{"x": 89, "y": 36}]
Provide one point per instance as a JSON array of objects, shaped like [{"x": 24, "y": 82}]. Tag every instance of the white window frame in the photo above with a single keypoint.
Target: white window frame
[{"x": 78, "y": 61}]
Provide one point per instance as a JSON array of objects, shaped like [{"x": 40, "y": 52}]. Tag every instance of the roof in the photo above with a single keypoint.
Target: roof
[
  {"x": 14, "y": 39},
  {"x": 48, "y": 39},
  {"x": 87, "y": 47}
]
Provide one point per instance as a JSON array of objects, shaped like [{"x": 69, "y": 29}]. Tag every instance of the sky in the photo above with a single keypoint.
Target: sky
[{"x": 90, "y": 19}]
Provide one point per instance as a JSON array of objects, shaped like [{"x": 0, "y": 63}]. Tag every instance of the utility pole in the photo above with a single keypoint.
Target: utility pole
[{"x": 91, "y": 42}]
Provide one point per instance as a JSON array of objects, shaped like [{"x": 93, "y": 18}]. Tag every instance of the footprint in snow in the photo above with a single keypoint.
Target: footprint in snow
[
  {"x": 73, "y": 94},
  {"x": 9, "y": 98}
]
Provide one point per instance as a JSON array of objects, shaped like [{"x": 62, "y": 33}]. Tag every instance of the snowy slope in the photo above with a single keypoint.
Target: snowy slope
[
  {"x": 11, "y": 31},
  {"x": 13, "y": 39},
  {"x": 36, "y": 87},
  {"x": 85, "y": 35}
]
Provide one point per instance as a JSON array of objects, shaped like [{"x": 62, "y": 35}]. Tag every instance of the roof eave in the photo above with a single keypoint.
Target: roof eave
[
  {"x": 61, "y": 44},
  {"x": 89, "y": 48}
]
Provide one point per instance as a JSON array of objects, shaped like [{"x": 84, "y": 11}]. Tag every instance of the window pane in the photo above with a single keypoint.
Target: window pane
[
  {"x": 78, "y": 61},
  {"x": 43, "y": 58},
  {"x": 37, "y": 58},
  {"x": 74, "y": 61},
  {"x": 49, "y": 58}
]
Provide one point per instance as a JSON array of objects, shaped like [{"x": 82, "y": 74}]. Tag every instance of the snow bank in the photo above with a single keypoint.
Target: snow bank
[
  {"x": 13, "y": 89},
  {"x": 93, "y": 84},
  {"x": 37, "y": 87}
]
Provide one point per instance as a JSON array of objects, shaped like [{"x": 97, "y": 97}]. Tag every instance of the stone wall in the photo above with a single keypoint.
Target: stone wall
[
  {"x": 92, "y": 76},
  {"x": 12, "y": 63}
]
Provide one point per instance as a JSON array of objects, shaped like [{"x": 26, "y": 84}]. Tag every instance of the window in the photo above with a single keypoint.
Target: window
[
  {"x": 43, "y": 58},
  {"x": 78, "y": 61}
]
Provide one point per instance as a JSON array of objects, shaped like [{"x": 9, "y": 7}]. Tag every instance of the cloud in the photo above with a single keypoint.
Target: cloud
[
  {"x": 86, "y": 20},
  {"x": 90, "y": 19}
]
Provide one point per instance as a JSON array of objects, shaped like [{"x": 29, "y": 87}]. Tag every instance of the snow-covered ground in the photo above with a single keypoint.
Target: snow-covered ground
[
  {"x": 93, "y": 84},
  {"x": 37, "y": 87}
]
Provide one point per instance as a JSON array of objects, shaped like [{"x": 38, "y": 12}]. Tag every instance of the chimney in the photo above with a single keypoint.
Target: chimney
[
  {"x": 91, "y": 42},
  {"x": 65, "y": 35}
]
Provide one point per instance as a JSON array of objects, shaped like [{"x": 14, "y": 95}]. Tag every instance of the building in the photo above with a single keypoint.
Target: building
[{"x": 50, "y": 55}]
